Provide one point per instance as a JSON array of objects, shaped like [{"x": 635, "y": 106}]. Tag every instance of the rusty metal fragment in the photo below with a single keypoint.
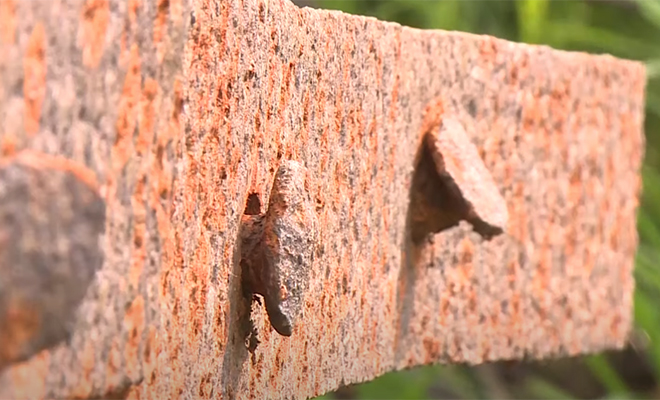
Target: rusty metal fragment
[
  {"x": 51, "y": 219},
  {"x": 451, "y": 183},
  {"x": 278, "y": 247}
]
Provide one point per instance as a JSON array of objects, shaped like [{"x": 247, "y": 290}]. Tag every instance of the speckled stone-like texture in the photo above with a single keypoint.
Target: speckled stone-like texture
[{"x": 182, "y": 109}]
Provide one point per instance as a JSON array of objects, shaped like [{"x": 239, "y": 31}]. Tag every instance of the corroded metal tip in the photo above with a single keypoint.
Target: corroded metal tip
[
  {"x": 51, "y": 218},
  {"x": 278, "y": 248},
  {"x": 451, "y": 184}
]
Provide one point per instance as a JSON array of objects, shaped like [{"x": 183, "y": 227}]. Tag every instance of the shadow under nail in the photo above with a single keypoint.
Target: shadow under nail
[{"x": 242, "y": 336}]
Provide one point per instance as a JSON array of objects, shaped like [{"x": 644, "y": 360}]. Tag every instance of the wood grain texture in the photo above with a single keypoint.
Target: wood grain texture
[{"x": 183, "y": 109}]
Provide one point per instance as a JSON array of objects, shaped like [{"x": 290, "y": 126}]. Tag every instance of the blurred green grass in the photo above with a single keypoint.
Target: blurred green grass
[{"x": 624, "y": 28}]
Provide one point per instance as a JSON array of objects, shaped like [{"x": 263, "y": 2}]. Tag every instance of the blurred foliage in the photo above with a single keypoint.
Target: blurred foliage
[{"x": 627, "y": 29}]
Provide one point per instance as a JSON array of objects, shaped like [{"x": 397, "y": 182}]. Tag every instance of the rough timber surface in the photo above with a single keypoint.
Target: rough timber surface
[{"x": 181, "y": 109}]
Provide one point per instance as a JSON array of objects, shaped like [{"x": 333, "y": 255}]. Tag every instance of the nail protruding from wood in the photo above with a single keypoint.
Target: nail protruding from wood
[
  {"x": 51, "y": 218},
  {"x": 277, "y": 248},
  {"x": 451, "y": 183}
]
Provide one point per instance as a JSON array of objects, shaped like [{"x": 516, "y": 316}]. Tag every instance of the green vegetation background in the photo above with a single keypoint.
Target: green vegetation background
[{"x": 625, "y": 28}]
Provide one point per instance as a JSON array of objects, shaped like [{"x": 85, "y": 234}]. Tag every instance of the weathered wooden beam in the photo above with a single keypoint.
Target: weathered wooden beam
[{"x": 472, "y": 199}]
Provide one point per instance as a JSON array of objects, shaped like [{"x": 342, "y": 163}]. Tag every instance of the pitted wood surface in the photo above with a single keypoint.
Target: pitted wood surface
[{"x": 183, "y": 109}]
